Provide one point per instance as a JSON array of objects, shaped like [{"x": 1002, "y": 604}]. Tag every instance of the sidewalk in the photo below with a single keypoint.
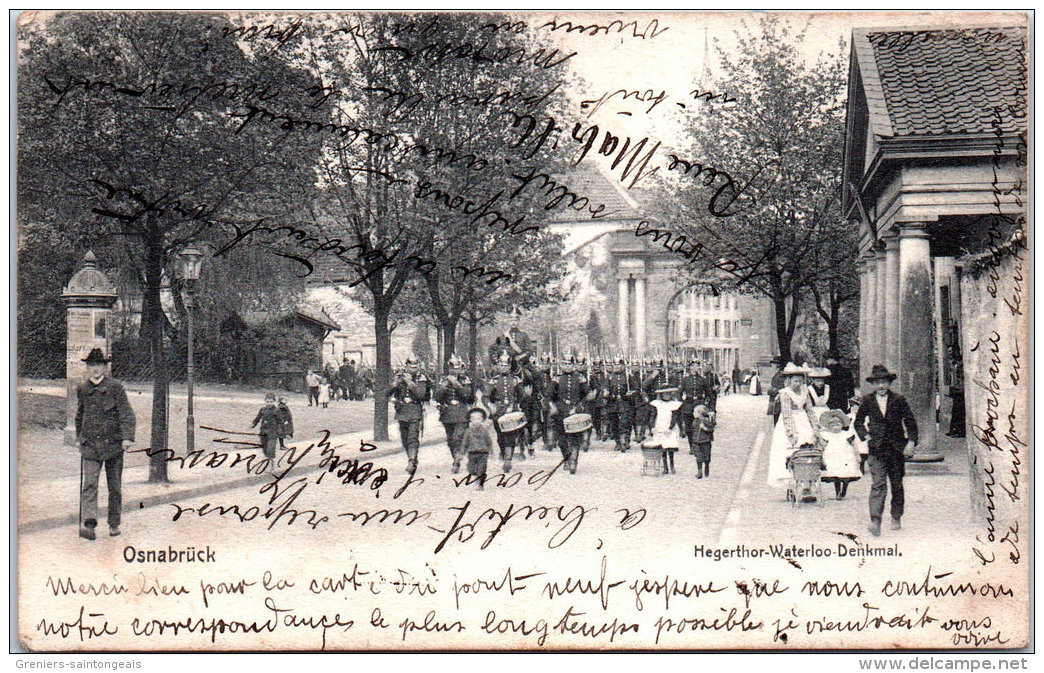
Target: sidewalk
[
  {"x": 937, "y": 511},
  {"x": 36, "y": 510}
]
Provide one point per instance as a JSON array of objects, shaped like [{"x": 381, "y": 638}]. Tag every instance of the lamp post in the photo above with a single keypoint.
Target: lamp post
[{"x": 191, "y": 259}]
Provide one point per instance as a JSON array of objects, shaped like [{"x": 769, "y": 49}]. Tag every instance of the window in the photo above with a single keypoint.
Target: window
[
  {"x": 735, "y": 328},
  {"x": 688, "y": 329},
  {"x": 728, "y": 330},
  {"x": 717, "y": 301},
  {"x": 706, "y": 328},
  {"x": 717, "y": 326}
]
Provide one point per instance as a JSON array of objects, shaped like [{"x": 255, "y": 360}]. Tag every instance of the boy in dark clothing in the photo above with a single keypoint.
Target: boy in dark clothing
[
  {"x": 271, "y": 424},
  {"x": 286, "y": 419},
  {"x": 477, "y": 444},
  {"x": 703, "y": 423}
]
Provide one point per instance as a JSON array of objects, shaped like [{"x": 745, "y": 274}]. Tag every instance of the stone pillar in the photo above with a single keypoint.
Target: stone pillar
[
  {"x": 891, "y": 336},
  {"x": 621, "y": 314},
  {"x": 882, "y": 317},
  {"x": 872, "y": 330},
  {"x": 639, "y": 314},
  {"x": 916, "y": 354},
  {"x": 89, "y": 297}
]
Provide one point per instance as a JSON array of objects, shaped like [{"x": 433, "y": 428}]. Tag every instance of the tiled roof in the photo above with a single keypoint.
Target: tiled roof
[
  {"x": 587, "y": 180},
  {"x": 316, "y": 315},
  {"x": 946, "y": 81}
]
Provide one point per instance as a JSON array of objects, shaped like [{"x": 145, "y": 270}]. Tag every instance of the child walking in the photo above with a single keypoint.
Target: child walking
[
  {"x": 666, "y": 428},
  {"x": 477, "y": 443},
  {"x": 271, "y": 425},
  {"x": 703, "y": 422},
  {"x": 286, "y": 428},
  {"x": 840, "y": 454}
]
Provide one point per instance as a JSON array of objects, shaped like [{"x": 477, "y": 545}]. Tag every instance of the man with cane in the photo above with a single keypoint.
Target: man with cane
[{"x": 104, "y": 429}]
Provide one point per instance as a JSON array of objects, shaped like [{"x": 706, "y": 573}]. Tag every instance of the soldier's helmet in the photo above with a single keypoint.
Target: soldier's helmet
[
  {"x": 503, "y": 364},
  {"x": 619, "y": 366},
  {"x": 456, "y": 365}
]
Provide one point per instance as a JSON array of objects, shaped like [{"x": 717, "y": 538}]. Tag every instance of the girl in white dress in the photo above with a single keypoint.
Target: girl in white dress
[
  {"x": 666, "y": 427},
  {"x": 796, "y": 425},
  {"x": 840, "y": 453}
]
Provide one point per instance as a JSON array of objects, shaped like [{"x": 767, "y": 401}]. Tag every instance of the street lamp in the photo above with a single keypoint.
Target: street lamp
[{"x": 191, "y": 259}]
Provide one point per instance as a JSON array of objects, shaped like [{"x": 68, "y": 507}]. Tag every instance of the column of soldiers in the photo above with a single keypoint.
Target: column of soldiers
[{"x": 563, "y": 404}]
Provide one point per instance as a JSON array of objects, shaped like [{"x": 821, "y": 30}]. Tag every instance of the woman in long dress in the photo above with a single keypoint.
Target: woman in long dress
[{"x": 796, "y": 425}]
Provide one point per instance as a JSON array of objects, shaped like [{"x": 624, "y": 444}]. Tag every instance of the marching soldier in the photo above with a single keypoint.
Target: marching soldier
[
  {"x": 692, "y": 395},
  {"x": 455, "y": 395},
  {"x": 710, "y": 386},
  {"x": 410, "y": 392},
  {"x": 545, "y": 379},
  {"x": 505, "y": 394},
  {"x": 597, "y": 405},
  {"x": 567, "y": 398},
  {"x": 619, "y": 395},
  {"x": 651, "y": 380}
]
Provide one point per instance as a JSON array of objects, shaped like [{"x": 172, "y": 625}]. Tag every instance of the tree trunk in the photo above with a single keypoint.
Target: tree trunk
[
  {"x": 154, "y": 323},
  {"x": 832, "y": 329},
  {"x": 383, "y": 373},
  {"x": 473, "y": 348},
  {"x": 449, "y": 341},
  {"x": 783, "y": 334}
]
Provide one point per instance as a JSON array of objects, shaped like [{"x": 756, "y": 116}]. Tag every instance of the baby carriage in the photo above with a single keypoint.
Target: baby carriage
[{"x": 805, "y": 465}]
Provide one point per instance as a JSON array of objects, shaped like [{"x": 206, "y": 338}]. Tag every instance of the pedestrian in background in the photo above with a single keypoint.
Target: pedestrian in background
[
  {"x": 324, "y": 392},
  {"x": 312, "y": 380},
  {"x": 105, "y": 426}
]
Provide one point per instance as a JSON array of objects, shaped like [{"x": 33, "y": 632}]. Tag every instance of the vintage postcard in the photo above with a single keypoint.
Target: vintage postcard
[{"x": 522, "y": 331}]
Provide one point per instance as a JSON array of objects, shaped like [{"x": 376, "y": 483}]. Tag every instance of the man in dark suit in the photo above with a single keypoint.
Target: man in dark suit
[
  {"x": 105, "y": 426},
  {"x": 884, "y": 421}
]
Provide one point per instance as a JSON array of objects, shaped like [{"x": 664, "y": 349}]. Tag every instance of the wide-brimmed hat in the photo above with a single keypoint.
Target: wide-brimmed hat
[
  {"x": 793, "y": 370},
  {"x": 827, "y": 416},
  {"x": 96, "y": 357},
  {"x": 668, "y": 389},
  {"x": 879, "y": 372},
  {"x": 819, "y": 373}
]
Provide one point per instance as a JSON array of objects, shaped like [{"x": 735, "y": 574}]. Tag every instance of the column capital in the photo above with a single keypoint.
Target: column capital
[
  {"x": 891, "y": 242},
  {"x": 913, "y": 230}
]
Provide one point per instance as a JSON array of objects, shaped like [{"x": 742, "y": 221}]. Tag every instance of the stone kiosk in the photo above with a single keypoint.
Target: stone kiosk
[
  {"x": 933, "y": 179},
  {"x": 89, "y": 297}
]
